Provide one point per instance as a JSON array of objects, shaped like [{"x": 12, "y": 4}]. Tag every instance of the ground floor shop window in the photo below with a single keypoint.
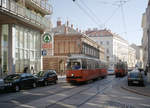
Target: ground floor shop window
[{"x": 27, "y": 48}]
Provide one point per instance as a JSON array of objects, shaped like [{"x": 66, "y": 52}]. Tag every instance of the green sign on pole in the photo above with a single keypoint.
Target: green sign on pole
[{"x": 47, "y": 38}]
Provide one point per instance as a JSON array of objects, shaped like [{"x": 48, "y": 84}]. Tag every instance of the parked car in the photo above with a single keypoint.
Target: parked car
[
  {"x": 2, "y": 85},
  {"x": 135, "y": 77},
  {"x": 110, "y": 72},
  {"x": 46, "y": 77},
  {"x": 17, "y": 82}
]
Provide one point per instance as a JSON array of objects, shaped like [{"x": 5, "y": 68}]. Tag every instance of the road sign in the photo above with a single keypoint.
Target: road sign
[
  {"x": 47, "y": 37},
  {"x": 44, "y": 53}
]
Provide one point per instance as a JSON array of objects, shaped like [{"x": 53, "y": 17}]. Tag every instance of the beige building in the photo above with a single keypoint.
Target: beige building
[
  {"x": 145, "y": 41},
  {"x": 138, "y": 55},
  {"x": 22, "y": 23},
  {"x": 131, "y": 58},
  {"x": 116, "y": 48}
]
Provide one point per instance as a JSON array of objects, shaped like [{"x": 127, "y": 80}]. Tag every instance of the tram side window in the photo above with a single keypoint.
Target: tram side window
[
  {"x": 84, "y": 64},
  {"x": 69, "y": 65},
  {"x": 97, "y": 65}
]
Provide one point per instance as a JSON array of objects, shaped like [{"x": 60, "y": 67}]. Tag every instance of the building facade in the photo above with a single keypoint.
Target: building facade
[
  {"x": 116, "y": 48},
  {"x": 131, "y": 58},
  {"x": 68, "y": 41},
  {"x": 22, "y": 23},
  {"x": 145, "y": 41},
  {"x": 139, "y": 55}
]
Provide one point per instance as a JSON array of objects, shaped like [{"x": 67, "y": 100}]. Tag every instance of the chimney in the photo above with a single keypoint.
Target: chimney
[
  {"x": 58, "y": 22},
  {"x": 65, "y": 30},
  {"x": 72, "y": 26}
]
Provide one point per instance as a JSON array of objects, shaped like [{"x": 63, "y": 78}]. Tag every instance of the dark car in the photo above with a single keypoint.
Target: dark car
[
  {"x": 20, "y": 81},
  {"x": 2, "y": 85},
  {"x": 136, "y": 78},
  {"x": 46, "y": 77}
]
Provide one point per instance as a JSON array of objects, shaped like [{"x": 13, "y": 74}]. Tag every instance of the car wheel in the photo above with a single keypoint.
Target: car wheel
[
  {"x": 129, "y": 84},
  {"x": 56, "y": 82},
  {"x": 17, "y": 88},
  {"x": 34, "y": 85},
  {"x": 45, "y": 83},
  {"x": 142, "y": 84}
]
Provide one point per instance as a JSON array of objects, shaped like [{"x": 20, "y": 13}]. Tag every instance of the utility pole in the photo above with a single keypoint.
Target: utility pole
[{"x": 148, "y": 73}]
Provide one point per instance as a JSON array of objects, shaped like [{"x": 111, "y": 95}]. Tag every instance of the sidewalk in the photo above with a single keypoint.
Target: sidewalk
[{"x": 145, "y": 91}]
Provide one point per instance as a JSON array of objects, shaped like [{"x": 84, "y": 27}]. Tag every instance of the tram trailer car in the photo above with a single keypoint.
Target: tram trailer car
[
  {"x": 121, "y": 69},
  {"x": 85, "y": 69}
]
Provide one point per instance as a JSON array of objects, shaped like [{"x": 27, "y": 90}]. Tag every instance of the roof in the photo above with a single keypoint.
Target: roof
[
  {"x": 97, "y": 33},
  {"x": 103, "y": 33}
]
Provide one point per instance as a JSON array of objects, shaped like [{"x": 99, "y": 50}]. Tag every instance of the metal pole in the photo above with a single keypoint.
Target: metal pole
[{"x": 148, "y": 74}]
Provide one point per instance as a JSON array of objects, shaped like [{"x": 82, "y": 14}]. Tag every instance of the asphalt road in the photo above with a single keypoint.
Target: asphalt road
[{"x": 103, "y": 93}]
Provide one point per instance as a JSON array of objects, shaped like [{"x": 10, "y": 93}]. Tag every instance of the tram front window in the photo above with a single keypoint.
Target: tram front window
[{"x": 73, "y": 66}]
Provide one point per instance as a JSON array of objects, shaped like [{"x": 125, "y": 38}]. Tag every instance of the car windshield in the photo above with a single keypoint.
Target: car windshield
[
  {"x": 40, "y": 74},
  {"x": 135, "y": 75},
  {"x": 73, "y": 65},
  {"x": 12, "y": 77}
]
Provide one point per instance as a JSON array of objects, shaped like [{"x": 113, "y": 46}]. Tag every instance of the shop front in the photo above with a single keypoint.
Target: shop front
[{"x": 20, "y": 47}]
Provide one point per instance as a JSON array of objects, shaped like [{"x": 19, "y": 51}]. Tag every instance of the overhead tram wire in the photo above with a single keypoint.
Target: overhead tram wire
[
  {"x": 114, "y": 12},
  {"x": 98, "y": 20},
  {"x": 90, "y": 16},
  {"x": 123, "y": 19}
]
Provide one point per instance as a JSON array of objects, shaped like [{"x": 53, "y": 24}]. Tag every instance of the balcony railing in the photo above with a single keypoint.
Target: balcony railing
[
  {"x": 22, "y": 12},
  {"x": 43, "y": 4}
]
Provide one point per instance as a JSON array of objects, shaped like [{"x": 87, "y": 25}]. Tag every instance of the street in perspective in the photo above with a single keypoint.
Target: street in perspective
[{"x": 74, "y": 54}]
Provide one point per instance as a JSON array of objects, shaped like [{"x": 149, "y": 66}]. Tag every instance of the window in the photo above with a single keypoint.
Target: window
[
  {"x": 107, "y": 51},
  {"x": 107, "y": 42},
  {"x": 84, "y": 64}
]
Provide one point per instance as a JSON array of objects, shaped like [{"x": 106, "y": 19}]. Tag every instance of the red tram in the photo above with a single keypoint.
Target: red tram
[
  {"x": 83, "y": 69},
  {"x": 121, "y": 69}
]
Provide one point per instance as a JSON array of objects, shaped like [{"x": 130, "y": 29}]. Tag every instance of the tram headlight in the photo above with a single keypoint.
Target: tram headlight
[{"x": 72, "y": 75}]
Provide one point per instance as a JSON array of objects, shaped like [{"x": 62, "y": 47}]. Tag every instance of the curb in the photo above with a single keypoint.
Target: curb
[{"x": 134, "y": 91}]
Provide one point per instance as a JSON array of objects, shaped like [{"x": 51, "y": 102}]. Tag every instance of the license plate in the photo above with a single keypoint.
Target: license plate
[{"x": 136, "y": 82}]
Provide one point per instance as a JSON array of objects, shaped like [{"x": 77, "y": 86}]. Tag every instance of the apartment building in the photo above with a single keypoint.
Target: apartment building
[
  {"x": 116, "y": 48},
  {"x": 22, "y": 23}
]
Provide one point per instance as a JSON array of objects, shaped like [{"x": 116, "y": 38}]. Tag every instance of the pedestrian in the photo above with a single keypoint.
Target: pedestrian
[
  {"x": 25, "y": 70},
  {"x": 32, "y": 70}
]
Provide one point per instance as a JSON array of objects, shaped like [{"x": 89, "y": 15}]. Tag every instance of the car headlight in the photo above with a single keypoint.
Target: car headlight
[
  {"x": 41, "y": 79},
  {"x": 8, "y": 84}
]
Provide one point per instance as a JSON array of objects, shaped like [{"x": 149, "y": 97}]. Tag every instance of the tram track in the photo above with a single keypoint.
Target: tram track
[
  {"x": 83, "y": 90},
  {"x": 60, "y": 88}
]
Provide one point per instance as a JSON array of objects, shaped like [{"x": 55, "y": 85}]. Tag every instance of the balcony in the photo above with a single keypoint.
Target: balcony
[
  {"x": 20, "y": 12},
  {"x": 40, "y": 5}
]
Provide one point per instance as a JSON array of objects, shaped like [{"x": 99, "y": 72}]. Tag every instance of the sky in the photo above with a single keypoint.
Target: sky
[{"x": 124, "y": 19}]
